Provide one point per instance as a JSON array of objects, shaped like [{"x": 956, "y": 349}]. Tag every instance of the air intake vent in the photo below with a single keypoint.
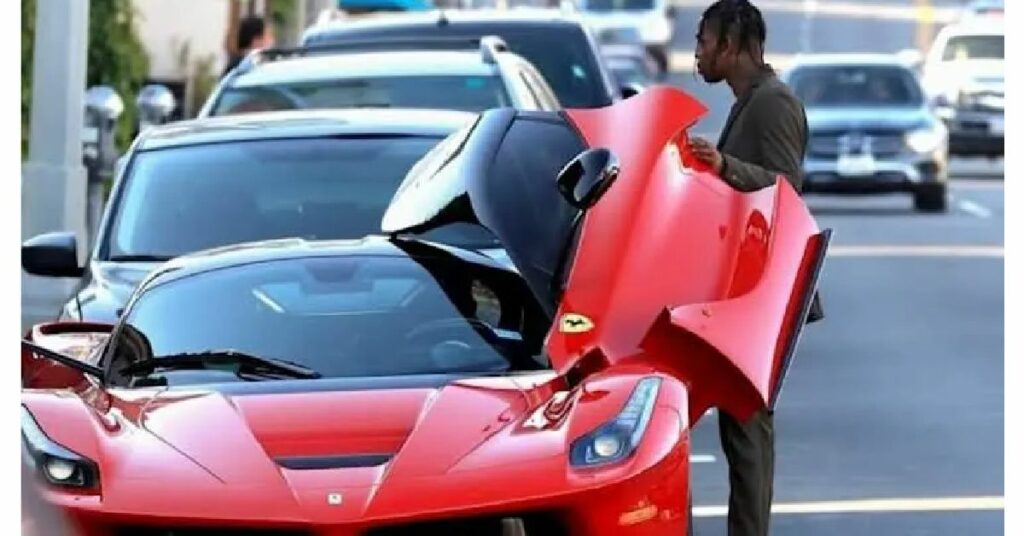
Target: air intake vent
[{"x": 332, "y": 462}]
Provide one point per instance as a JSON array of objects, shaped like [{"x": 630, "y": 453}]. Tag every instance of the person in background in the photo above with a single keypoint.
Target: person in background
[{"x": 252, "y": 33}]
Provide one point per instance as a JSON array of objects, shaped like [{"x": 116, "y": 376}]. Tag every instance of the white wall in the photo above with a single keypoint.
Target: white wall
[{"x": 164, "y": 25}]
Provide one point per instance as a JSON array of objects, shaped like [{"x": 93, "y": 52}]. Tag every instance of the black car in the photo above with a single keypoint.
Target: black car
[
  {"x": 560, "y": 47},
  {"x": 196, "y": 185}
]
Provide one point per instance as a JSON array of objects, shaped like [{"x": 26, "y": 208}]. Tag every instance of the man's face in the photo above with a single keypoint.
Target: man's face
[{"x": 709, "y": 55}]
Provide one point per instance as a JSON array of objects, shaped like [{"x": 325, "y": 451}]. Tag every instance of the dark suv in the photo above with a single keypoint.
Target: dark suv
[{"x": 558, "y": 45}]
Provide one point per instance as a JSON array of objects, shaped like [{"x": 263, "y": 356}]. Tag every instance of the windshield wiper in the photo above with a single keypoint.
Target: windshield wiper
[
  {"x": 140, "y": 258},
  {"x": 199, "y": 360}
]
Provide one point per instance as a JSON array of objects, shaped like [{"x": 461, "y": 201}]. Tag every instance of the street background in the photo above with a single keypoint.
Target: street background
[{"x": 892, "y": 418}]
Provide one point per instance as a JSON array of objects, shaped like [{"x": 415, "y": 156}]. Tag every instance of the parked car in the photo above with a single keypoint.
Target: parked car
[
  {"x": 964, "y": 76},
  {"x": 624, "y": 53},
  {"x": 871, "y": 129},
  {"x": 391, "y": 386},
  {"x": 195, "y": 185},
  {"x": 475, "y": 75},
  {"x": 560, "y": 46},
  {"x": 654, "y": 20}
]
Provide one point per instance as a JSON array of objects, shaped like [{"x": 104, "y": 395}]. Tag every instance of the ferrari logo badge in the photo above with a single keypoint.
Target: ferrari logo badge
[
  {"x": 334, "y": 499},
  {"x": 575, "y": 323}
]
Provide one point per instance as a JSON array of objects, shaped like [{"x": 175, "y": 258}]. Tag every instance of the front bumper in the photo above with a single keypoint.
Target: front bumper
[
  {"x": 907, "y": 173},
  {"x": 975, "y": 132}
]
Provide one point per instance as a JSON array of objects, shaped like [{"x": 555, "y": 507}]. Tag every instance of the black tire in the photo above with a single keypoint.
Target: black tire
[{"x": 931, "y": 198}]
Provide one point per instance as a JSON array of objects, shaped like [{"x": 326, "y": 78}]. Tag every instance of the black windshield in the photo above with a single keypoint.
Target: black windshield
[
  {"x": 975, "y": 47},
  {"x": 346, "y": 316},
  {"x": 181, "y": 200},
  {"x": 856, "y": 86},
  {"x": 466, "y": 93},
  {"x": 616, "y": 5}
]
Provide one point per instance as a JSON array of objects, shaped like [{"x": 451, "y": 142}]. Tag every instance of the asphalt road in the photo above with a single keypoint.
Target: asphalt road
[{"x": 891, "y": 421}]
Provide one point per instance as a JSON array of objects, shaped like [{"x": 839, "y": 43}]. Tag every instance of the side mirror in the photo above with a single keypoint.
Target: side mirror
[
  {"x": 912, "y": 59},
  {"x": 51, "y": 255},
  {"x": 587, "y": 177},
  {"x": 671, "y": 12},
  {"x": 631, "y": 90},
  {"x": 58, "y": 354}
]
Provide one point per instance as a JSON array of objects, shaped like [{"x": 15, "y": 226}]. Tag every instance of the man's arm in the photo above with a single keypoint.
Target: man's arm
[{"x": 781, "y": 133}]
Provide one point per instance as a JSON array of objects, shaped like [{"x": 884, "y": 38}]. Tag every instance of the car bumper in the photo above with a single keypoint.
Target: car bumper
[
  {"x": 896, "y": 175},
  {"x": 975, "y": 132}
]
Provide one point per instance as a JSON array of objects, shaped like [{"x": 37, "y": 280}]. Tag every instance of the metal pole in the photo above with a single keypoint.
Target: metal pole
[{"x": 53, "y": 178}]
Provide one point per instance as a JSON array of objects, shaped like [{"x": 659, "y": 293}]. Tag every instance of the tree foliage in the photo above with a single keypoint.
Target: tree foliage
[{"x": 116, "y": 58}]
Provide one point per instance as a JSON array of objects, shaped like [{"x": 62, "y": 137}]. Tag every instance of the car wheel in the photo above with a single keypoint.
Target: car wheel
[{"x": 931, "y": 198}]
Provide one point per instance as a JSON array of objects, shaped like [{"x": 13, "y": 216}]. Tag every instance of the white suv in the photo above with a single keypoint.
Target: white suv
[
  {"x": 455, "y": 74},
  {"x": 963, "y": 75}
]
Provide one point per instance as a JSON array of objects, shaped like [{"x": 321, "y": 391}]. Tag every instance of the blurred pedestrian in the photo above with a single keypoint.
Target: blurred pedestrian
[
  {"x": 764, "y": 136},
  {"x": 251, "y": 33}
]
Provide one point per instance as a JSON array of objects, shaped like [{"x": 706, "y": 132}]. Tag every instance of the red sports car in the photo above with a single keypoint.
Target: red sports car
[{"x": 393, "y": 386}]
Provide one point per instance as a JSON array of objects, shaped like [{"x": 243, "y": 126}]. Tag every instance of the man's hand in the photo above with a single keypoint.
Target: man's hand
[{"x": 706, "y": 152}]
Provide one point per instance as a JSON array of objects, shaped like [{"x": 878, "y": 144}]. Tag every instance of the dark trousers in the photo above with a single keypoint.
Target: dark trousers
[{"x": 750, "y": 451}]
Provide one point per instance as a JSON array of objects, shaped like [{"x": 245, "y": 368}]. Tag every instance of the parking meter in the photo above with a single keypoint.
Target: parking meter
[
  {"x": 155, "y": 103},
  {"x": 103, "y": 106}
]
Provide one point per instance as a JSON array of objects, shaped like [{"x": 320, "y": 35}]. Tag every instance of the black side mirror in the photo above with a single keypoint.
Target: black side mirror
[
  {"x": 51, "y": 255},
  {"x": 631, "y": 90},
  {"x": 587, "y": 177}
]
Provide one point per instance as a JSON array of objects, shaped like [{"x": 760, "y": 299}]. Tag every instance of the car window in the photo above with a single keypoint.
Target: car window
[
  {"x": 974, "y": 47},
  {"x": 184, "y": 199},
  {"x": 563, "y": 54},
  {"x": 466, "y": 93},
  {"x": 342, "y": 316},
  {"x": 856, "y": 86},
  {"x": 616, "y": 5}
]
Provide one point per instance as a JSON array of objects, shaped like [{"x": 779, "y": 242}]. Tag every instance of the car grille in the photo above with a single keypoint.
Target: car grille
[
  {"x": 883, "y": 145},
  {"x": 534, "y": 524}
]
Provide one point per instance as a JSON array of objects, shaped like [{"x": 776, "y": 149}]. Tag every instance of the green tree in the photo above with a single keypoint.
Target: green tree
[{"x": 116, "y": 58}]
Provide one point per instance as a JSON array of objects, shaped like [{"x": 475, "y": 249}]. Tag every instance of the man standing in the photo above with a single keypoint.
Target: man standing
[{"x": 765, "y": 136}]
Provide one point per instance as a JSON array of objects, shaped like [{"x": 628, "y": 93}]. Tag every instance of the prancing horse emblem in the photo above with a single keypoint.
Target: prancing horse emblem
[
  {"x": 575, "y": 323},
  {"x": 334, "y": 499}
]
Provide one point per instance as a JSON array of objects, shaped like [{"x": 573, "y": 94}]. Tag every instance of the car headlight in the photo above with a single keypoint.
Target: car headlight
[
  {"x": 57, "y": 465},
  {"x": 617, "y": 439},
  {"x": 927, "y": 139}
]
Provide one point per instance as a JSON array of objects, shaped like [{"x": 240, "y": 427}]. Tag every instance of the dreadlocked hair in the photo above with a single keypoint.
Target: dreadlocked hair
[{"x": 740, "y": 19}]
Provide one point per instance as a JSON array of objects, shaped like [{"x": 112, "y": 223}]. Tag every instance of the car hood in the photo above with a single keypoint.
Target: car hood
[
  {"x": 824, "y": 119},
  {"x": 109, "y": 287},
  {"x": 668, "y": 249},
  {"x": 282, "y": 454}
]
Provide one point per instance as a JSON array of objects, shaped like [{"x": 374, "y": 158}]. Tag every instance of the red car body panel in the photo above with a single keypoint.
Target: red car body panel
[
  {"x": 673, "y": 262},
  {"x": 682, "y": 277}
]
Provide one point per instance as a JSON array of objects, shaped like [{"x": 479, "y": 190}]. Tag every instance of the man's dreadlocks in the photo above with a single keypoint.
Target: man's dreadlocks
[{"x": 741, "y": 20}]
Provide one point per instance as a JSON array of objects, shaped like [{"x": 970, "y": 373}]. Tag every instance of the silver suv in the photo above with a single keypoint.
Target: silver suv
[{"x": 457, "y": 74}]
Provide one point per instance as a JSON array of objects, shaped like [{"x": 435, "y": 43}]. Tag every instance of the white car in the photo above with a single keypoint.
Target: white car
[
  {"x": 964, "y": 77},
  {"x": 652, "y": 19}
]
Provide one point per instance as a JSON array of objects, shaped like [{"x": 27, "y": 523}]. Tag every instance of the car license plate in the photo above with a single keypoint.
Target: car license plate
[
  {"x": 861, "y": 165},
  {"x": 997, "y": 125}
]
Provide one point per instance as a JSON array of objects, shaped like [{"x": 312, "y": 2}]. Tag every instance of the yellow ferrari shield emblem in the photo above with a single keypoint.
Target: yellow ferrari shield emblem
[{"x": 575, "y": 323}]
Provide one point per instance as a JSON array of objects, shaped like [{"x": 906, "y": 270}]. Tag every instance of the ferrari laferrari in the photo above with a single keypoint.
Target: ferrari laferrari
[{"x": 394, "y": 386}]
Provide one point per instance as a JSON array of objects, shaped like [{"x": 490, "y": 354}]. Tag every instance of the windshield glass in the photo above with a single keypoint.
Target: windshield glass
[
  {"x": 466, "y": 93},
  {"x": 856, "y": 86},
  {"x": 340, "y": 316},
  {"x": 185, "y": 199},
  {"x": 617, "y": 5},
  {"x": 974, "y": 47}
]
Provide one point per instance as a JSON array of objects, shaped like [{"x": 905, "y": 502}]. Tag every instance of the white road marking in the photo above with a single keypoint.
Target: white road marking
[
  {"x": 847, "y": 9},
  {"x": 702, "y": 458},
  {"x": 974, "y": 209},
  {"x": 917, "y": 251},
  {"x": 936, "y": 504}
]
